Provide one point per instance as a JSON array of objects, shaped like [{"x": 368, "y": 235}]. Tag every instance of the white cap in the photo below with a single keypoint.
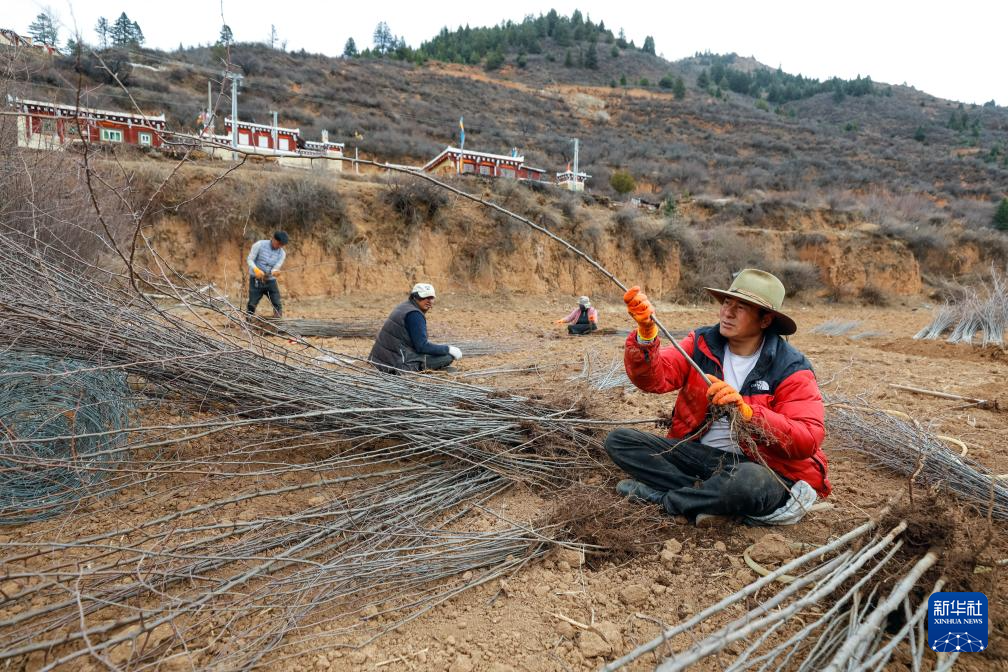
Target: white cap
[
  {"x": 423, "y": 290},
  {"x": 584, "y": 301}
]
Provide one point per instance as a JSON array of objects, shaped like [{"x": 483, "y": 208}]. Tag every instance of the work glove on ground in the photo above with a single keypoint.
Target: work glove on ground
[
  {"x": 454, "y": 352},
  {"x": 721, "y": 393},
  {"x": 641, "y": 310},
  {"x": 258, "y": 273}
]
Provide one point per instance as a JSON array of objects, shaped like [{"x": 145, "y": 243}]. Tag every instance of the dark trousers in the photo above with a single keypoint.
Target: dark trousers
[
  {"x": 580, "y": 329},
  {"x": 435, "y": 362},
  {"x": 268, "y": 287},
  {"x": 697, "y": 478}
]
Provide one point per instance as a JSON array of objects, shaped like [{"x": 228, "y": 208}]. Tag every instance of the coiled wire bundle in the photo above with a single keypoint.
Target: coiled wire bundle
[{"x": 61, "y": 434}]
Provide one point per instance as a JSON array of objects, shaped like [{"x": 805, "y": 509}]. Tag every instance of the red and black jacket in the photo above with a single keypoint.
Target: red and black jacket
[{"x": 781, "y": 389}]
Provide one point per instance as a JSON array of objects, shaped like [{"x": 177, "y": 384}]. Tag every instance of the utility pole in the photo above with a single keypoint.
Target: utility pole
[
  {"x": 575, "y": 158},
  {"x": 236, "y": 78},
  {"x": 275, "y": 132}
]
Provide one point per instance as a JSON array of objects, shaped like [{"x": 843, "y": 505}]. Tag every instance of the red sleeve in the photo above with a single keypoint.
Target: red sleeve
[
  {"x": 655, "y": 369},
  {"x": 794, "y": 422}
]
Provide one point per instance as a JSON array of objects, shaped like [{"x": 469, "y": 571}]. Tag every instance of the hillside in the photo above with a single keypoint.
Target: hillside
[{"x": 714, "y": 140}]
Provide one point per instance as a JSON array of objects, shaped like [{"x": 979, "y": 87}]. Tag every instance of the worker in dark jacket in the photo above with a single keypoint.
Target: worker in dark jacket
[
  {"x": 402, "y": 343},
  {"x": 768, "y": 466}
]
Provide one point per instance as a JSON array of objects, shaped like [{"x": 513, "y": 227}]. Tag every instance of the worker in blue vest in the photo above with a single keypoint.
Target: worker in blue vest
[{"x": 264, "y": 262}]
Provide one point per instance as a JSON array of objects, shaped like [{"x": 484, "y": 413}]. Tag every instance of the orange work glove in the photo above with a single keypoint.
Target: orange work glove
[
  {"x": 721, "y": 393},
  {"x": 561, "y": 321},
  {"x": 258, "y": 273},
  {"x": 641, "y": 310}
]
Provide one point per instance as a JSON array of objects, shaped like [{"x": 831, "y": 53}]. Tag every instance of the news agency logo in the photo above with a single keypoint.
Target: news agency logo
[{"x": 957, "y": 622}]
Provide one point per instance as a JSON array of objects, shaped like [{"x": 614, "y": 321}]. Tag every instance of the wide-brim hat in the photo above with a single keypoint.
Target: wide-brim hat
[
  {"x": 584, "y": 301},
  {"x": 763, "y": 290}
]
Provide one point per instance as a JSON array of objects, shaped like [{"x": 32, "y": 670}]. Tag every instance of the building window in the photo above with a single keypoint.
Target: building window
[
  {"x": 486, "y": 170},
  {"x": 264, "y": 141},
  {"x": 468, "y": 168},
  {"x": 243, "y": 138},
  {"x": 49, "y": 126},
  {"x": 285, "y": 144},
  {"x": 111, "y": 135},
  {"x": 145, "y": 139},
  {"x": 507, "y": 171}
]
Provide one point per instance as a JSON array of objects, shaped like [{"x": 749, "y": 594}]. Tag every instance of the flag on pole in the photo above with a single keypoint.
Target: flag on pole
[{"x": 461, "y": 134}]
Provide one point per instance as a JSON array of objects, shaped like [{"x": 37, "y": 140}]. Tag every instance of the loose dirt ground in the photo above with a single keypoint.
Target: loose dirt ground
[
  {"x": 520, "y": 624},
  {"x": 670, "y": 569}
]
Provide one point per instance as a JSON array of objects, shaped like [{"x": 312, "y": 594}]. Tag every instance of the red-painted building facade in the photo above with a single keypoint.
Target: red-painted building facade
[
  {"x": 453, "y": 160},
  {"x": 251, "y": 134},
  {"x": 44, "y": 125}
]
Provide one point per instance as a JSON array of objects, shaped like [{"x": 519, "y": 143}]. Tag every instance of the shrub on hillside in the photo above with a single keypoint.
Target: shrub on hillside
[
  {"x": 655, "y": 238},
  {"x": 873, "y": 296},
  {"x": 810, "y": 239},
  {"x": 622, "y": 181},
  {"x": 305, "y": 206},
  {"x": 416, "y": 201},
  {"x": 920, "y": 238},
  {"x": 798, "y": 277},
  {"x": 1001, "y": 216}
]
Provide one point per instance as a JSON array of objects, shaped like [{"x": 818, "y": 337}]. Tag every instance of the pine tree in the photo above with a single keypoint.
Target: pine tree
[
  {"x": 591, "y": 58},
  {"x": 43, "y": 28},
  {"x": 384, "y": 40},
  {"x": 350, "y": 49},
  {"x": 121, "y": 32},
  {"x": 136, "y": 35},
  {"x": 102, "y": 28},
  {"x": 568, "y": 60},
  {"x": 226, "y": 37},
  {"x": 1001, "y": 216},
  {"x": 679, "y": 88},
  {"x": 648, "y": 47},
  {"x": 702, "y": 80}
]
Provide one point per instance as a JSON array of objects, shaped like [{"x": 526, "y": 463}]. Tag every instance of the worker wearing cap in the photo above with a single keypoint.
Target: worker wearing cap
[
  {"x": 264, "y": 262},
  {"x": 582, "y": 320},
  {"x": 768, "y": 467},
  {"x": 402, "y": 343}
]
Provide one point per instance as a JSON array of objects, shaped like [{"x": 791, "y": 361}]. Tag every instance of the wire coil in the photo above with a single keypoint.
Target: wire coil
[{"x": 61, "y": 428}]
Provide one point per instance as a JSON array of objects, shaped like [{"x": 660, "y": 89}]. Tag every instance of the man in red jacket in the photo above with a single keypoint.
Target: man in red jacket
[{"x": 746, "y": 440}]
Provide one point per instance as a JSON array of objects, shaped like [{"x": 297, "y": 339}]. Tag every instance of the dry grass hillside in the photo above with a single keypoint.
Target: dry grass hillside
[
  {"x": 381, "y": 232},
  {"x": 711, "y": 141}
]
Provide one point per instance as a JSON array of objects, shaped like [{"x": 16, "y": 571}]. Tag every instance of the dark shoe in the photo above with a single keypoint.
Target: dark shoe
[{"x": 639, "y": 492}]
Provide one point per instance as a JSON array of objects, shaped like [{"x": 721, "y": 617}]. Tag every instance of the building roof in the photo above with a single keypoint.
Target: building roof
[
  {"x": 266, "y": 127},
  {"x": 74, "y": 111},
  {"x": 570, "y": 175},
  {"x": 315, "y": 144},
  {"x": 475, "y": 155}
]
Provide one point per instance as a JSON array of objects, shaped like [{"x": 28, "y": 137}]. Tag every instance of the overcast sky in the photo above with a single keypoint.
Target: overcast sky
[{"x": 951, "y": 49}]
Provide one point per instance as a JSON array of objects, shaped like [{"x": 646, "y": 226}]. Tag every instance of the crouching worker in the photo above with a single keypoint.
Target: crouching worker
[
  {"x": 402, "y": 343},
  {"x": 767, "y": 466},
  {"x": 582, "y": 320}
]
